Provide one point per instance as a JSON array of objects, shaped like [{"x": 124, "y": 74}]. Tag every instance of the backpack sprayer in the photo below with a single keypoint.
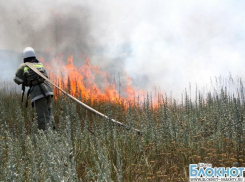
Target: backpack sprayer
[{"x": 81, "y": 103}]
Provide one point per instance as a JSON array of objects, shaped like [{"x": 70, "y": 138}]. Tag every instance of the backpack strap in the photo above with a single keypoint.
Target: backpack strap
[
  {"x": 28, "y": 95},
  {"x": 23, "y": 92}
]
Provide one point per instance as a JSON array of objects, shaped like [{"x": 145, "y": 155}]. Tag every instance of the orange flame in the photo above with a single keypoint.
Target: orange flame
[{"x": 89, "y": 82}]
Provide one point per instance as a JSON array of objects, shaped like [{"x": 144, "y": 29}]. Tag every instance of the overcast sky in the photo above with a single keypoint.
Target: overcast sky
[{"x": 159, "y": 43}]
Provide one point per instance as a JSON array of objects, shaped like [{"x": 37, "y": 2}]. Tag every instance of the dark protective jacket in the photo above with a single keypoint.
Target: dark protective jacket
[{"x": 38, "y": 88}]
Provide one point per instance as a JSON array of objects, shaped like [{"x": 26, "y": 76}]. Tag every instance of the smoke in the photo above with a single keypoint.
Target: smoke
[
  {"x": 48, "y": 27},
  {"x": 159, "y": 43}
]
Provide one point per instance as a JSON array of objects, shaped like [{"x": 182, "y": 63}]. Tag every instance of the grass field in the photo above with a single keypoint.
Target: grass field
[{"x": 207, "y": 127}]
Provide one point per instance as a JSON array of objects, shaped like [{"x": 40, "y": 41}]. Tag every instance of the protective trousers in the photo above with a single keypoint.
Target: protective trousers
[{"x": 43, "y": 111}]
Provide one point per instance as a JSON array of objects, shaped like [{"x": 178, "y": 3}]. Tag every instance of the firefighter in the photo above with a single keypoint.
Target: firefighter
[{"x": 40, "y": 92}]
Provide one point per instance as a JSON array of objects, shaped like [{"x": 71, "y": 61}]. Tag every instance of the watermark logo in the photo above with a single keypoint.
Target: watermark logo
[{"x": 205, "y": 172}]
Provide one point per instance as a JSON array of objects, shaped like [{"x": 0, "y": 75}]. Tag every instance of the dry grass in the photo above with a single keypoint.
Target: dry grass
[{"x": 209, "y": 129}]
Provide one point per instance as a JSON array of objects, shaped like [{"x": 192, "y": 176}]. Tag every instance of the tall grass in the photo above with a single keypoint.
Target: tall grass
[{"x": 207, "y": 127}]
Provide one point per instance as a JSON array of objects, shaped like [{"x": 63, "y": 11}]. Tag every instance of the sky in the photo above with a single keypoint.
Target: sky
[{"x": 162, "y": 45}]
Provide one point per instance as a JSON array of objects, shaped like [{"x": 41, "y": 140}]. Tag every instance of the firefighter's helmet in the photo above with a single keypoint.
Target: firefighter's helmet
[{"x": 28, "y": 52}]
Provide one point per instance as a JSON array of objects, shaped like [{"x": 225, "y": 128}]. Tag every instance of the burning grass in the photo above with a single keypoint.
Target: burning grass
[
  {"x": 90, "y": 82},
  {"x": 209, "y": 129}
]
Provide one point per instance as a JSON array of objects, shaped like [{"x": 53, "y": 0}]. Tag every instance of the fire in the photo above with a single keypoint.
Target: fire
[{"x": 90, "y": 82}]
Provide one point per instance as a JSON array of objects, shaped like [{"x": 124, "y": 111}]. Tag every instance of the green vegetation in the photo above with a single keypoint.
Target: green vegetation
[{"x": 207, "y": 128}]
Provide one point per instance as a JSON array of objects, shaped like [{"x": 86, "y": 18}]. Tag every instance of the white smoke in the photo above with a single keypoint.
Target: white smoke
[{"x": 159, "y": 43}]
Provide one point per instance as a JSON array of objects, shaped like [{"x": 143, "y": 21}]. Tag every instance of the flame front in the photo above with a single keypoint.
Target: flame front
[{"x": 90, "y": 82}]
